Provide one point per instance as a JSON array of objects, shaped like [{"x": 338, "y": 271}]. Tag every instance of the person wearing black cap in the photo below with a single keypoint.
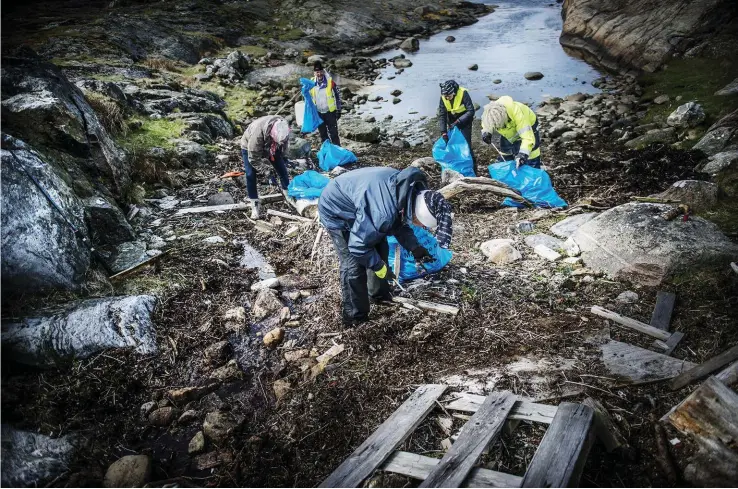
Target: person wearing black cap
[
  {"x": 328, "y": 102},
  {"x": 456, "y": 109},
  {"x": 359, "y": 209}
]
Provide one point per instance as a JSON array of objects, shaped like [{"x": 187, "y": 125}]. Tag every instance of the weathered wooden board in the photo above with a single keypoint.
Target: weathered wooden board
[
  {"x": 213, "y": 208},
  {"x": 729, "y": 376},
  {"x": 428, "y": 306},
  {"x": 661, "y": 317},
  {"x": 522, "y": 410},
  {"x": 605, "y": 429},
  {"x": 631, "y": 323},
  {"x": 639, "y": 364},
  {"x": 478, "y": 433},
  {"x": 560, "y": 457},
  {"x": 386, "y": 438},
  {"x": 419, "y": 466},
  {"x": 705, "y": 369}
]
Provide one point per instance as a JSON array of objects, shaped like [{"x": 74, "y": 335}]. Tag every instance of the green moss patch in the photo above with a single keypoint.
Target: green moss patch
[
  {"x": 152, "y": 133},
  {"x": 239, "y": 100}
]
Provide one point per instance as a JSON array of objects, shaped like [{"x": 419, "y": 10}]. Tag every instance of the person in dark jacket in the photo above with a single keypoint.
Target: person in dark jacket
[
  {"x": 359, "y": 209},
  {"x": 456, "y": 109}
]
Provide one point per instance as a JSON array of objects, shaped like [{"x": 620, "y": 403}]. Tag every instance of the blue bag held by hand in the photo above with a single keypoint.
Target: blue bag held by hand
[
  {"x": 408, "y": 269},
  {"x": 311, "y": 119},
  {"x": 533, "y": 183},
  {"x": 455, "y": 154},
  {"x": 331, "y": 156},
  {"x": 308, "y": 185}
]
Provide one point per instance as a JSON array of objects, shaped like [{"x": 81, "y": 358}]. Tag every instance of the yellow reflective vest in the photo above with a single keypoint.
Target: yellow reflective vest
[
  {"x": 330, "y": 97},
  {"x": 520, "y": 120},
  {"x": 457, "y": 107}
]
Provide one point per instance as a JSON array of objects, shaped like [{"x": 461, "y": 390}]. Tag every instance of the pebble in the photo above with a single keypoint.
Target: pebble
[
  {"x": 197, "y": 444},
  {"x": 474, "y": 67},
  {"x": 627, "y": 297},
  {"x": 162, "y": 416},
  {"x": 129, "y": 471},
  {"x": 273, "y": 338},
  {"x": 213, "y": 240}
]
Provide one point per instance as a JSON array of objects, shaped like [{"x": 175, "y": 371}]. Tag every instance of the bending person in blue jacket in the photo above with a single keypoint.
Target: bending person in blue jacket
[{"x": 359, "y": 209}]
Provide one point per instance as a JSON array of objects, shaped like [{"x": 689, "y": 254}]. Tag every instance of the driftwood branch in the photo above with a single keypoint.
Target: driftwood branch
[
  {"x": 428, "y": 306},
  {"x": 481, "y": 184},
  {"x": 286, "y": 215}
]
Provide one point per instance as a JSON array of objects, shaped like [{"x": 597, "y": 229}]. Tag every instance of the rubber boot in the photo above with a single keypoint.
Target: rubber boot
[{"x": 255, "y": 209}]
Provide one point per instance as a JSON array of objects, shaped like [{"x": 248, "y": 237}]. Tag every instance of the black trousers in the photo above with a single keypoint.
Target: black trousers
[
  {"x": 358, "y": 283},
  {"x": 467, "y": 132},
  {"x": 329, "y": 128}
]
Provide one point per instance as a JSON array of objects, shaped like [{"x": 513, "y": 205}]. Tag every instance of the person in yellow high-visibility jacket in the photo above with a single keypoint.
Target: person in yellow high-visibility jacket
[
  {"x": 328, "y": 102},
  {"x": 518, "y": 126}
]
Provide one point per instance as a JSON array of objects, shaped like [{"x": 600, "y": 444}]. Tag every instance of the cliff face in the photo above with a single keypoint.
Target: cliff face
[{"x": 643, "y": 34}]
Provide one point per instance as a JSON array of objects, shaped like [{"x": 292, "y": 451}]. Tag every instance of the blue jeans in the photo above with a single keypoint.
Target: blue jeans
[
  {"x": 280, "y": 166},
  {"x": 512, "y": 149}
]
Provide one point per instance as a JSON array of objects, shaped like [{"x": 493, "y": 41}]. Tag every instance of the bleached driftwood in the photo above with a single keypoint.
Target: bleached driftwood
[
  {"x": 286, "y": 215},
  {"x": 481, "y": 184}
]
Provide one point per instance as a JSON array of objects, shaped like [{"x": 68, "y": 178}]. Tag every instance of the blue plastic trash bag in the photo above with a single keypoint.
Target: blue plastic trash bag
[
  {"x": 331, "y": 156},
  {"x": 455, "y": 154},
  {"x": 408, "y": 269},
  {"x": 311, "y": 120},
  {"x": 533, "y": 183},
  {"x": 308, "y": 185}
]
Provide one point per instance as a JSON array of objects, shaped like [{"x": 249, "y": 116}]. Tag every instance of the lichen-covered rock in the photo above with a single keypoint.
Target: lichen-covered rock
[
  {"x": 190, "y": 154},
  {"x": 32, "y": 458},
  {"x": 360, "y": 131},
  {"x": 667, "y": 135},
  {"x": 634, "y": 242},
  {"x": 567, "y": 227},
  {"x": 698, "y": 194},
  {"x": 83, "y": 329},
  {"x": 128, "y": 471},
  {"x": 721, "y": 136},
  {"x": 686, "y": 115}
]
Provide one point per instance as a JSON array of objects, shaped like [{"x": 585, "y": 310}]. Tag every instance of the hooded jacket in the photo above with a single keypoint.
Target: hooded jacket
[
  {"x": 371, "y": 204},
  {"x": 256, "y": 138}
]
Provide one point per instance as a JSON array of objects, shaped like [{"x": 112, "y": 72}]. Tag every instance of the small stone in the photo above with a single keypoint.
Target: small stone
[
  {"x": 218, "y": 425},
  {"x": 284, "y": 315},
  {"x": 294, "y": 295},
  {"x": 295, "y": 355},
  {"x": 627, "y": 297},
  {"x": 213, "y": 240},
  {"x": 270, "y": 283},
  {"x": 227, "y": 373},
  {"x": 473, "y": 67},
  {"x": 281, "y": 387},
  {"x": 211, "y": 460},
  {"x": 410, "y": 44},
  {"x": 187, "y": 417},
  {"x": 162, "y": 416},
  {"x": 146, "y": 409},
  {"x": 546, "y": 252},
  {"x": 396, "y": 93},
  {"x": 217, "y": 353},
  {"x": 533, "y": 75},
  {"x": 273, "y": 338},
  {"x": 402, "y": 63},
  {"x": 188, "y": 394},
  {"x": 197, "y": 444},
  {"x": 221, "y": 198},
  {"x": 500, "y": 251},
  {"x": 661, "y": 99},
  {"x": 235, "y": 319},
  {"x": 450, "y": 38},
  {"x": 222, "y": 159},
  {"x": 525, "y": 227},
  {"x": 497, "y": 81},
  {"x": 571, "y": 248},
  {"x": 265, "y": 304},
  {"x": 572, "y": 260},
  {"x": 396, "y": 101},
  {"x": 128, "y": 471}
]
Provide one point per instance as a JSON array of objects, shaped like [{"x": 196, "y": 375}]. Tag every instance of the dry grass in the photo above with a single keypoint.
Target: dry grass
[
  {"x": 110, "y": 113},
  {"x": 160, "y": 64}
]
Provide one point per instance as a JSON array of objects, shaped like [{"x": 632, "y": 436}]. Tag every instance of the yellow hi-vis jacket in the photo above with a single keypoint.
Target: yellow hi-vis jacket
[
  {"x": 457, "y": 107},
  {"x": 520, "y": 120},
  {"x": 330, "y": 97}
]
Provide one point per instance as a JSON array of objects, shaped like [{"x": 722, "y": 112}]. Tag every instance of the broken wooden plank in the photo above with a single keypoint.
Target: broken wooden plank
[
  {"x": 380, "y": 444},
  {"x": 213, "y": 208},
  {"x": 663, "y": 457},
  {"x": 672, "y": 342},
  {"x": 605, "y": 429},
  {"x": 419, "y": 466},
  {"x": 271, "y": 198},
  {"x": 705, "y": 368},
  {"x": 560, "y": 457},
  {"x": 522, "y": 410},
  {"x": 661, "y": 316},
  {"x": 398, "y": 261},
  {"x": 287, "y": 215},
  {"x": 428, "y": 306},
  {"x": 631, "y": 323},
  {"x": 729, "y": 376},
  {"x": 128, "y": 271},
  {"x": 478, "y": 433},
  {"x": 639, "y": 364},
  {"x": 318, "y": 236}
]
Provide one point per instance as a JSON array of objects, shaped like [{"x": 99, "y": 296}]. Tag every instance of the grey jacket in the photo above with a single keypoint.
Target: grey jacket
[
  {"x": 371, "y": 204},
  {"x": 256, "y": 139}
]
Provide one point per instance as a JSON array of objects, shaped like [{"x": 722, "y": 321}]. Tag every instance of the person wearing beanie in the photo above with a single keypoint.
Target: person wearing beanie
[
  {"x": 328, "y": 102},
  {"x": 264, "y": 144},
  {"x": 518, "y": 126},
  {"x": 456, "y": 109},
  {"x": 359, "y": 209}
]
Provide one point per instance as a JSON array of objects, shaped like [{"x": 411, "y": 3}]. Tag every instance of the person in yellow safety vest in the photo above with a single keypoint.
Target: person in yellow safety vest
[
  {"x": 456, "y": 109},
  {"x": 328, "y": 102},
  {"x": 518, "y": 126}
]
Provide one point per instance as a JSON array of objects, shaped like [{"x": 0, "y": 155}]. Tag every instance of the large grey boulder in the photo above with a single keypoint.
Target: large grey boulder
[
  {"x": 567, "y": 227},
  {"x": 128, "y": 255},
  {"x": 698, "y": 194},
  {"x": 667, "y": 135},
  {"x": 233, "y": 67},
  {"x": 212, "y": 125},
  {"x": 360, "y": 131},
  {"x": 721, "y": 136},
  {"x": 106, "y": 222},
  {"x": 40, "y": 250},
  {"x": 162, "y": 101},
  {"x": 686, "y": 115},
  {"x": 729, "y": 89},
  {"x": 634, "y": 242},
  {"x": 720, "y": 162},
  {"x": 534, "y": 240},
  {"x": 81, "y": 330},
  {"x": 190, "y": 154},
  {"x": 30, "y": 459},
  {"x": 410, "y": 44}
]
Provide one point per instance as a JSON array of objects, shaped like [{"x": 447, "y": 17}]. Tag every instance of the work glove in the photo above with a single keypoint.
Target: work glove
[
  {"x": 445, "y": 137},
  {"x": 487, "y": 137},
  {"x": 521, "y": 159},
  {"x": 421, "y": 255},
  {"x": 385, "y": 273}
]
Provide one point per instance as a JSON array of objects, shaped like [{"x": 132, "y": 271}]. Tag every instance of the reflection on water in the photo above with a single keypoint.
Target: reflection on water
[{"x": 517, "y": 37}]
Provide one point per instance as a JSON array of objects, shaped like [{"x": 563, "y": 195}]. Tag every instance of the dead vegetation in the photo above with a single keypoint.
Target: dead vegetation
[
  {"x": 112, "y": 116},
  {"x": 161, "y": 64}
]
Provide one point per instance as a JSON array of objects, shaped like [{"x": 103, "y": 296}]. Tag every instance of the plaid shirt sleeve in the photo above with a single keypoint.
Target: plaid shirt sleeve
[{"x": 441, "y": 209}]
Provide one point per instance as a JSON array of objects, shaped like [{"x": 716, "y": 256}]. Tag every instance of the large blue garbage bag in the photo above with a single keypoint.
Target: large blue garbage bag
[
  {"x": 533, "y": 183},
  {"x": 454, "y": 155},
  {"x": 311, "y": 119},
  {"x": 308, "y": 185},
  {"x": 408, "y": 269},
  {"x": 331, "y": 156}
]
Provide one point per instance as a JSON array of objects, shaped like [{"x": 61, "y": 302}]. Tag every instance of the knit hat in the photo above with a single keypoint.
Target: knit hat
[
  {"x": 433, "y": 212},
  {"x": 280, "y": 131},
  {"x": 318, "y": 66},
  {"x": 494, "y": 117},
  {"x": 449, "y": 87}
]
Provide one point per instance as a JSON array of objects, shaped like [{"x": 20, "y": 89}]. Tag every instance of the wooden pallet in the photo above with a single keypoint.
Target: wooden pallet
[{"x": 558, "y": 461}]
